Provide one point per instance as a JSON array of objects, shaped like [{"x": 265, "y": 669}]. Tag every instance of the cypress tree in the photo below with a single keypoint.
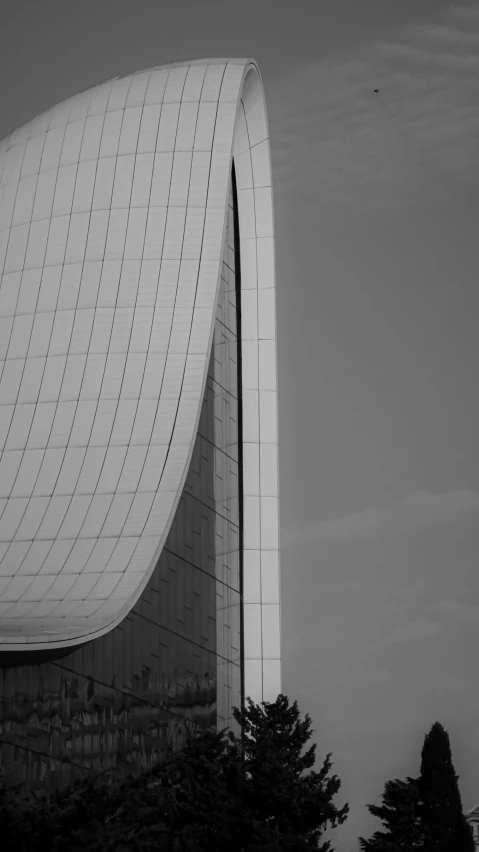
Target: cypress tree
[
  {"x": 425, "y": 813},
  {"x": 440, "y": 806}
]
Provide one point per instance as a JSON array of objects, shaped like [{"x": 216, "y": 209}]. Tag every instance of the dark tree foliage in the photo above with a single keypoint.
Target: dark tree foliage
[
  {"x": 240, "y": 794},
  {"x": 423, "y": 813},
  {"x": 400, "y": 815},
  {"x": 295, "y": 807},
  {"x": 33, "y": 820},
  {"x": 441, "y": 806}
]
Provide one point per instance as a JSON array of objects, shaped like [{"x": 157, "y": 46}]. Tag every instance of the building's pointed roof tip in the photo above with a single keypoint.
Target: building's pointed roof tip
[
  {"x": 474, "y": 810},
  {"x": 215, "y": 60}
]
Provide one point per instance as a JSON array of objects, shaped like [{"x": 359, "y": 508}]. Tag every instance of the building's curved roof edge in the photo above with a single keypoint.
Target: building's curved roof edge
[
  {"x": 232, "y": 60},
  {"x": 216, "y": 60}
]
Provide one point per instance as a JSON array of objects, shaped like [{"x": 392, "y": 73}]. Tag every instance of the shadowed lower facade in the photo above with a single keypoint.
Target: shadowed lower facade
[{"x": 139, "y": 556}]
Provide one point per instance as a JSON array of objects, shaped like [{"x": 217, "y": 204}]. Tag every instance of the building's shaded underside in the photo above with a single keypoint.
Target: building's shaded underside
[{"x": 175, "y": 661}]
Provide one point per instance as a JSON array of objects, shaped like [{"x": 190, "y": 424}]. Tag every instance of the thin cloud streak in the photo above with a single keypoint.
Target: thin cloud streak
[
  {"x": 422, "y": 509},
  {"x": 449, "y": 60},
  {"x": 414, "y": 630},
  {"x": 457, "y": 612},
  {"x": 448, "y": 35},
  {"x": 463, "y": 14}
]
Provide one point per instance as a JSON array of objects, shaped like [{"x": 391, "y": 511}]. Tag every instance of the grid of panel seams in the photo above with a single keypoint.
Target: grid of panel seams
[
  {"x": 112, "y": 209},
  {"x": 98, "y": 293},
  {"x": 261, "y": 566}
]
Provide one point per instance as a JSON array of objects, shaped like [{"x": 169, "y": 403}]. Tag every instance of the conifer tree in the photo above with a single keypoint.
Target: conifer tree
[
  {"x": 399, "y": 814},
  {"x": 295, "y": 808},
  {"x": 440, "y": 806},
  {"x": 424, "y": 813}
]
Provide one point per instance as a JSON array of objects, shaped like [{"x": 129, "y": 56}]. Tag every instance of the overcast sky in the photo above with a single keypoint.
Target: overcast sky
[{"x": 376, "y": 204}]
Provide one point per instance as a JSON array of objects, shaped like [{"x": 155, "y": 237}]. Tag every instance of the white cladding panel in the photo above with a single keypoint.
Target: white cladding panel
[{"x": 112, "y": 216}]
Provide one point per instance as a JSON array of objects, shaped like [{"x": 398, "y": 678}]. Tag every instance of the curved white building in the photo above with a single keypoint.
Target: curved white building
[{"x": 137, "y": 260}]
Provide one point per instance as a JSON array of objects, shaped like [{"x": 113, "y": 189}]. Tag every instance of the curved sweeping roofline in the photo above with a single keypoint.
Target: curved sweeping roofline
[{"x": 112, "y": 216}]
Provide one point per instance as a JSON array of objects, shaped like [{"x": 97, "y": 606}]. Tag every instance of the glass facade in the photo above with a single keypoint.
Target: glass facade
[{"x": 175, "y": 662}]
